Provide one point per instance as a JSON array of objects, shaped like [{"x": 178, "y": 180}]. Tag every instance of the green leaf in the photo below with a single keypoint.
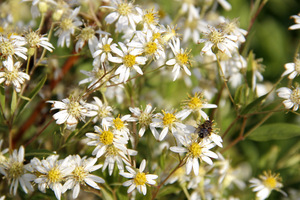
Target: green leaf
[
  {"x": 33, "y": 93},
  {"x": 276, "y": 131},
  {"x": 13, "y": 104},
  {"x": 250, "y": 65},
  {"x": 42, "y": 153},
  {"x": 2, "y": 97},
  {"x": 253, "y": 105},
  {"x": 106, "y": 194}
]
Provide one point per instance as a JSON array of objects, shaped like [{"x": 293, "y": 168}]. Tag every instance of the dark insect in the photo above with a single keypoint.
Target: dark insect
[{"x": 204, "y": 129}]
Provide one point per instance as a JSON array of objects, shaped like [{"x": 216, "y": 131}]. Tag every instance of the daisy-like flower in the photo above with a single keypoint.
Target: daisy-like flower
[
  {"x": 86, "y": 34},
  {"x": 52, "y": 173},
  {"x": 297, "y": 21},
  {"x": 232, "y": 28},
  {"x": 72, "y": 110},
  {"x": 150, "y": 18},
  {"x": 293, "y": 69},
  {"x": 193, "y": 27},
  {"x": 139, "y": 179},
  {"x": 181, "y": 60},
  {"x": 17, "y": 173},
  {"x": 144, "y": 118},
  {"x": 102, "y": 50},
  {"x": 12, "y": 46},
  {"x": 11, "y": 74},
  {"x": 195, "y": 151},
  {"x": 40, "y": 6},
  {"x": 216, "y": 40},
  {"x": 169, "y": 122},
  {"x": 81, "y": 174},
  {"x": 120, "y": 124},
  {"x": 128, "y": 57},
  {"x": 149, "y": 44},
  {"x": 292, "y": 97},
  {"x": 103, "y": 139},
  {"x": 67, "y": 28},
  {"x": 265, "y": 184},
  {"x": 124, "y": 13},
  {"x": 212, "y": 133},
  {"x": 103, "y": 110},
  {"x": 34, "y": 40},
  {"x": 195, "y": 104},
  {"x": 188, "y": 6}
]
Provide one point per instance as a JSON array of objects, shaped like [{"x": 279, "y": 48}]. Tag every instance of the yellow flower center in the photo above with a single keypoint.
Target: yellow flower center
[
  {"x": 150, "y": 17},
  {"x": 140, "y": 178},
  {"x": 194, "y": 102},
  {"x": 295, "y": 96},
  {"x": 112, "y": 151},
  {"x": 150, "y": 48},
  {"x": 156, "y": 36},
  {"x": 192, "y": 24},
  {"x": 270, "y": 182},
  {"x": 168, "y": 118},
  {"x": 195, "y": 150},
  {"x": 145, "y": 119},
  {"x": 74, "y": 109},
  {"x": 216, "y": 37},
  {"x": 33, "y": 39},
  {"x": 11, "y": 75},
  {"x": 182, "y": 58},
  {"x": 16, "y": 170},
  {"x": 119, "y": 124},
  {"x": 66, "y": 24},
  {"x": 54, "y": 175},
  {"x": 87, "y": 33},
  {"x": 129, "y": 60},
  {"x": 107, "y": 137},
  {"x": 79, "y": 174},
  {"x": 106, "y": 48},
  {"x": 124, "y": 9},
  {"x": 6, "y": 49}
]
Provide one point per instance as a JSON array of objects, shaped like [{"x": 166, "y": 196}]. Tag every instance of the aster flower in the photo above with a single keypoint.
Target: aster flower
[
  {"x": 292, "y": 97},
  {"x": 144, "y": 118},
  {"x": 103, "y": 110},
  {"x": 169, "y": 122},
  {"x": 149, "y": 44},
  {"x": 297, "y": 21},
  {"x": 86, "y": 34},
  {"x": 67, "y": 28},
  {"x": 16, "y": 172},
  {"x": 72, "y": 110},
  {"x": 193, "y": 27},
  {"x": 189, "y": 8},
  {"x": 195, "y": 151},
  {"x": 12, "y": 46},
  {"x": 232, "y": 28},
  {"x": 150, "y": 18},
  {"x": 124, "y": 13},
  {"x": 265, "y": 184},
  {"x": 181, "y": 60},
  {"x": 195, "y": 104},
  {"x": 96, "y": 77},
  {"x": 81, "y": 174},
  {"x": 128, "y": 57},
  {"x": 216, "y": 40},
  {"x": 102, "y": 50},
  {"x": 52, "y": 172},
  {"x": 35, "y": 40},
  {"x": 10, "y": 74},
  {"x": 293, "y": 69},
  {"x": 120, "y": 124},
  {"x": 139, "y": 179},
  {"x": 103, "y": 139}
]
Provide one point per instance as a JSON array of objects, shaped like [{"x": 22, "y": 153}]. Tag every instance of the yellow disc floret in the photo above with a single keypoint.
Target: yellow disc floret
[
  {"x": 107, "y": 137},
  {"x": 140, "y": 178},
  {"x": 129, "y": 60}
]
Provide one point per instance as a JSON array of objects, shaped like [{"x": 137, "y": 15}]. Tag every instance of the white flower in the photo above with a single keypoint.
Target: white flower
[
  {"x": 293, "y": 69},
  {"x": 35, "y": 40},
  {"x": 16, "y": 172},
  {"x": 120, "y": 124},
  {"x": 12, "y": 46},
  {"x": 144, "y": 118},
  {"x": 128, "y": 57},
  {"x": 149, "y": 44},
  {"x": 292, "y": 97},
  {"x": 232, "y": 28},
  {"x": 37, "y": 5},
  {"x": 67, "y": 27},
  {"x": 193, "y": 27},
  {"x": 216, "y": 40},
  {"x": 168, "y": 121},
  {"x": 224, "y": 4},
  {"x": 124, "y": 13},
  {"x": 189, "y": 8},
  {"x": 103, "y": 110},
  {"x": 97, "y": 77},
  {"x": 266, "y": 184},
  {"x": 102, "y": 50},
  {"x": 139, "y": 179},
  {"x": 103, "y": 139},
  {"x": 86, "y": 34},
  {"x": 181, "y": 60},
  {"x": 10, "y": 74},
  {"x": 72, "y": 109},
  {"x": 297, "y": 21},
  {"x": 81, "y": 174},
  {"x": 150, "y": 18},
  {"x": 52, "y": 173},
  {"x": 195, "y": 150},
  {"x": 195, "y": 104}
]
